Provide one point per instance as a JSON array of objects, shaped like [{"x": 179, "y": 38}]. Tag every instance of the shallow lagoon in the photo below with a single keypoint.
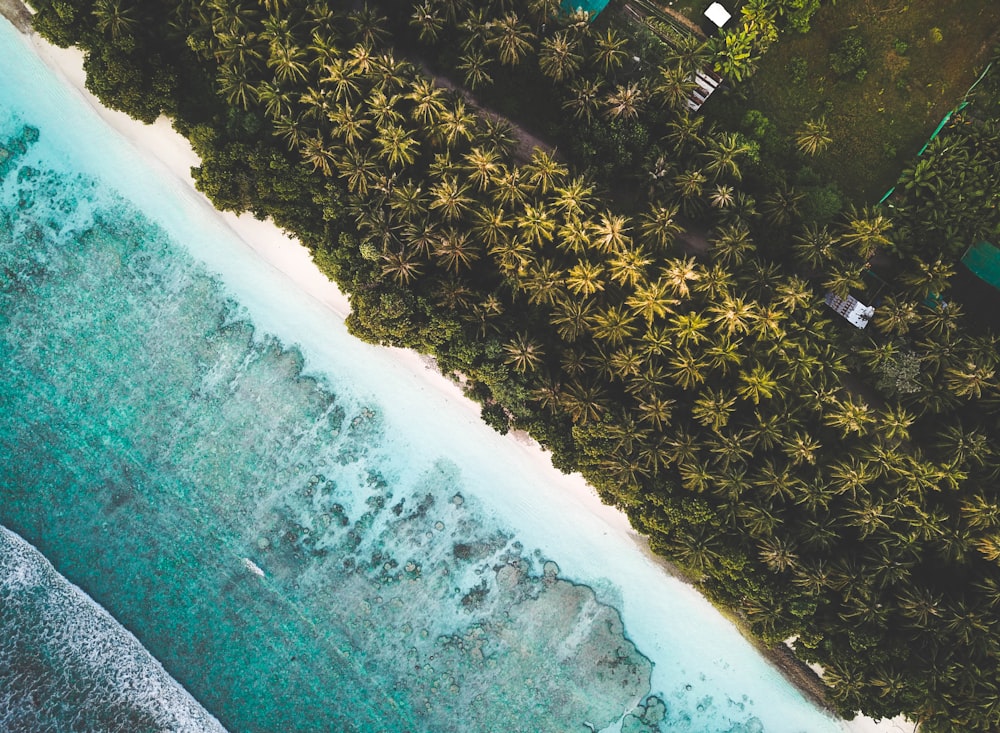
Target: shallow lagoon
[{"x": 299, "y": 529}]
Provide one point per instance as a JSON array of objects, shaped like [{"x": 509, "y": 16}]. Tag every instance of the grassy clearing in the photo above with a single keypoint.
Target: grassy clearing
[{"x": 920, "y": 57}]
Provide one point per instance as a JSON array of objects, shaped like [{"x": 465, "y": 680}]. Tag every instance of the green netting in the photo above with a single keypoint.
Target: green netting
[
  {"x": 983, "y": 259},
  {"x": 591, "y": 6}
]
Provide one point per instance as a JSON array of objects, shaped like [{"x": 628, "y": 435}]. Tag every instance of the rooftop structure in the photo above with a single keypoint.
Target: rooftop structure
[
  {"x": 594, "y": 7},
  {"x": 706, "y": 81},
  {"x": 983, "y": 260},
  {"x": 857, "y": 313},
  {"x": 718, "y": 14}
]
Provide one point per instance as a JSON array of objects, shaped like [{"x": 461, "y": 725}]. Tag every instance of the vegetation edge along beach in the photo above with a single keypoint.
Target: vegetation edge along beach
[{"x": 645, "y": 297}]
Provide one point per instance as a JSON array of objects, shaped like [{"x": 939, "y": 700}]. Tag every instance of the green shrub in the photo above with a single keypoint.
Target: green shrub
[
  {"x": 850, "y": 56},
  {"x": 798, "y": 70}
]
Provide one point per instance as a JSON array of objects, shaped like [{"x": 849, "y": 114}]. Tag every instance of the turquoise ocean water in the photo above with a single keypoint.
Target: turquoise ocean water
[{"x": 301, "y": 538}]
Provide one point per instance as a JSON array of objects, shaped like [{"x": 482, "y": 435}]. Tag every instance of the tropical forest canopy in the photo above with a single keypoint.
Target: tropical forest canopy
[{"x": 645, "y": 298}]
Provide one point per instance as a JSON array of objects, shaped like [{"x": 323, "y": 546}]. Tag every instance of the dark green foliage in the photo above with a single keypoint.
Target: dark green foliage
[{"x": 850, "y": 56}]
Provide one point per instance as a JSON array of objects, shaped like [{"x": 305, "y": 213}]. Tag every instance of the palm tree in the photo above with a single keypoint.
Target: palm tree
[
  {"x": 969, "y": 379},
  {"x": 292, "y": 129},
  {"x": 115, "y": 19},
  {"x": 782, "y": 205},
  {"x": 687, "y": 371},
  {"x": 610, "y": 233},
  {"x": 866, "y": 231},
  {"x": 815, "y": 248},
  {"x": 733, "y": 314},
  {"x": 688, "y": 55},
  {"x": 628, "y": 267},
  {"x": 690, "y": 184},
  {"x": 659, "y": 226},
  {"x": 713, "y": 409},
  {"x": 813, "y": 137},
  {"x": 655, "y": 410},
  {"x": 350, "y": 124},
  {"x": 543, "y": 171},
  {"x": 651, "y": 380},
  {"x": 673, "y": 88},
  {"x": 543, "y": 283},
  {"x": 928, "y": 279},
  {"x": 778, "y": 554},
  {"x": 732, "y": 244},
  {"x": 609, "y": 51},
  {"x": 427, "y": 21},
  {"x": 536, "y": 224},
  {"x": 316, "y": 151},
  {"x": 235, "y": 86},
  {"x": 585, "y": 402},
  {"x": 613, "y": 325},
  {"x": 842, "y": 279},
  {"x": 584, "y": 98},
  {"x": 277, "y": 101},
  {"x": 625, "y": 102},
  {"x": 851, "y": 416},
  {"x": 342, "y": 78},
  {"x": 454, "y": 9},
  {"x": 428, "y": 100},
  {"x": 723, "y": 354},
  {"x": 482, "y": 163},
  {"x": 498, "y": 133},
  {"x": 571, "y": 317},
  {"x": 512, "y": 39},
  {"x": 401, "y": 266},
  {"x": 574, "y": 236},
  {"x": 678, "y": 272},
  {"x": 358, "y": 170},
  {"x": 397, "y": 146},
  {"x": 367, "y": 27},
  {"x": 289, "y": 62},
  {"x": 721, "y": 196},
  {"x": 456, "y": 122},
  {"x": 723, "y": 154},
  {"x": 491, "y": 225},
  {"x": 793, "y": 293},
  {"x": 657, "y": 339},
  {"x": 558, "y": 58},
  {"x": 523, "y": 353},
  {"x": 449, "y": 196},
  {"x": 475, "y": 67},
  {"x": 455, "y": 250},
  {"x": 476, "y": 28},
  {"x": 759, "y": 384},
  {"x": 574, "y": 197}
]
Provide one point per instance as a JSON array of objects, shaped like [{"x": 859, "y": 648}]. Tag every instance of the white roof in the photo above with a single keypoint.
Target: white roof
[
  {"x": 718, "y": 14},
  {"x": 857, "y": 314}
]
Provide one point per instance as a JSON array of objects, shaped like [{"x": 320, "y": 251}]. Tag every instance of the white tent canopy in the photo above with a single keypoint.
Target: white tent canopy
[{"x": 718, "y": 14}]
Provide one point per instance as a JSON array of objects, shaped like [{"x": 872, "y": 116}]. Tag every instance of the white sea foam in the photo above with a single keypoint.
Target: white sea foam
[{"x": 87, "y": 655}]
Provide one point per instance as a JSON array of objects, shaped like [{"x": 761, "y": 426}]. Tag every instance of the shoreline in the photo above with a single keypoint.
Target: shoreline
[{"x": 172, "y": 156}]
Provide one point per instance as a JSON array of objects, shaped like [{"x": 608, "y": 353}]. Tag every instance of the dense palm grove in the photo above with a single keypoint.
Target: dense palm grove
[{"x": 647, "y": 304}]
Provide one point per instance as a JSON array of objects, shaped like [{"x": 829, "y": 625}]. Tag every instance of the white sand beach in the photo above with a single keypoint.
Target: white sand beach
[{"x": 171, "y": 155}]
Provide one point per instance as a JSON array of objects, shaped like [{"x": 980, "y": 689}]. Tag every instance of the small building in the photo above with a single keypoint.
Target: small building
[
  {"x": 857, "y": 313},
  {"x": 718, "y": 14},
  {"x": 593, "y": 7},
  {"x": 706, "y": 81}
]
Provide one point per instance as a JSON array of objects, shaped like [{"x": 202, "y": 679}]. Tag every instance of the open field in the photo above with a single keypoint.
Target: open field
[{"x": 919, "y": 58}]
